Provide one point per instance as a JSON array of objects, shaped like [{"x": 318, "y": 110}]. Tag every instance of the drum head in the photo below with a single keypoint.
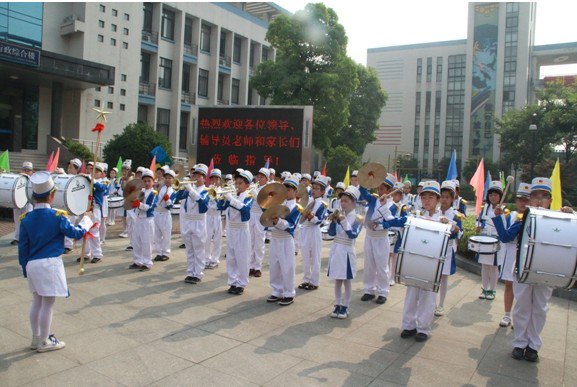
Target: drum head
[
  {"x": 523, "y": 243},
  {"x": 13, "y": 190},
  {"x": 72, "y": 192},
  {"x": 484, "y": 239}
]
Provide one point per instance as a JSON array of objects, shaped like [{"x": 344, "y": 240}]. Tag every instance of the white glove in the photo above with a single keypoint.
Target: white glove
[
  {"x": 228, "y": 196},
  {"x": 345, "y": 224},
  {"x": 86, "y": 223}
]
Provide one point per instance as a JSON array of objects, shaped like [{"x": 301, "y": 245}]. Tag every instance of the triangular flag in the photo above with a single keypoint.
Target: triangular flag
[
  {"x": 267, "y": 164},
  {"x": 153, "y": 164},
  {"x": 119, "y": 167},
  {"x": 83, "y": 168},
  {"x": 556, "y": 195},
  {"x": 452, "y": 170},
  {"x": 347, "y": 179},
  {"x": 406, "y": 179},
  {"x": 5, "y": 162},
  {"x": 210, "y": 167},
  {"x": 488, "y": 180},
  {"x": 324, "y": 171},
  {"x": 478, "y": 184},
  {"x": 54, "y": 164},
  {"x": 49, "y": 163}
]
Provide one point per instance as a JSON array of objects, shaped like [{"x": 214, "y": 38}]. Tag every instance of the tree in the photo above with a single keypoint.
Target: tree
[
  {"x": 338, "y": 159},
  {"x": 135, "y": 143}
]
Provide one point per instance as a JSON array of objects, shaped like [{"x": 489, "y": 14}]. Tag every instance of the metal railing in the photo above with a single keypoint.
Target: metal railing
[
  {"x": 224, "y": 61},
  {"x": 147, "y": 88},
  {"x": 191, "y": 49},
  {"x": 150, "y": 36},
  {"x": 188, "y": 97}
]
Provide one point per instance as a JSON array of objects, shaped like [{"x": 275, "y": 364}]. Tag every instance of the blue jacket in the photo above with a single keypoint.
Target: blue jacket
[
  {"x": 183, "y": 194},
  {"x": 222, "y": 205},
  {"x": 509, "y": 231},
  {"x": 42, "y": 233},
  {"x": 100, "y": 190},
  {"x": 353, "y": 233}
]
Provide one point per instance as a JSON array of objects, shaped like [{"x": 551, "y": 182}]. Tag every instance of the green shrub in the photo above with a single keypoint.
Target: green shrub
[
  {"x": 469, "y": 230},
  {"x": 78, "y": 150}
]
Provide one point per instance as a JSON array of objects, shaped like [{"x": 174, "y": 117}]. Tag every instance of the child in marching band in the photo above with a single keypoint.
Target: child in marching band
[
  {"x": 489, "y": 262},
  {"x": 398, "y": 210},
  {"x": 213, "y": 224},
  {"x": 113, "y": 191},
  {"x": 103, "y": 169},
  {"x": 27, "y": 169},
  {"x": 93, "y": 246},
  {"x": 448, "y": 192},
  {"x": 163, "y": 218},
  {"x": 142, "y": 233},
  {"x": 238, "y": 250},
  {"x": 73, "y": 168},
  {"x": 257, "y": 232},
  {"x": 345, "y": 228},
  {"x": 419, "y": 307},
  {"x": 282, "y": 250}
]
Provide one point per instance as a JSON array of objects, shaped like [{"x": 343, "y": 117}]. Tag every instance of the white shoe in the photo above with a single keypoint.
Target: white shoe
[
  {"x": 439, "y": 311},
  {"x": 51, "y": 344},
  {"x": 392, "y": 283},
  {"x": 123, "y": 235},
  {"x": 505, "y": 322},
  {"x": 36, "y": 342}
]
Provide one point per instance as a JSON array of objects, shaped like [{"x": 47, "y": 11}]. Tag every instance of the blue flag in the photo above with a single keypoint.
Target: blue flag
[
  {"x": 487, "y": 184},
  {"x": 160, "y": 154},
  {"x": 267, "y": 164},
  {"x": 452, "y": 171}
]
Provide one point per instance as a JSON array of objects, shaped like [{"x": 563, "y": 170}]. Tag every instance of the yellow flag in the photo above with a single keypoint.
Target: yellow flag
[
  {"x": 347, "y": 179},
  {"x": 557, "y": 201}
]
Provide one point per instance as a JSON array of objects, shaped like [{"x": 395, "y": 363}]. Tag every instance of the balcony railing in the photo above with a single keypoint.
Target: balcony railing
[
  {"x": 224, "y": 61},
  {"x": 191, "y": 49},
  {"x": 147, "y": 88},
  {"x": 222, "y": 102},
  {"x": 188, "y": 97},
  {"x": 150, "y": 36}
]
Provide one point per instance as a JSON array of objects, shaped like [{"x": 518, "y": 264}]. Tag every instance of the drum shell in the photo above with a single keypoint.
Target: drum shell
[
  {"x": 392, "y": 238},
  {"x": 115, "y": 202},
  {"x": 72, "y": 193},
  {"x": 13, "y": 190},
  {"x": 175, "y": 210},
  {"x": 547, "y": 251},
  {"x": 484, "y": 245},
  {"x": 422, "y": 253}
]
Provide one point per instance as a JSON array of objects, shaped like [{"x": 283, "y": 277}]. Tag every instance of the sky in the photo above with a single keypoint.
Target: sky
[{"x": 381, "y": 23}]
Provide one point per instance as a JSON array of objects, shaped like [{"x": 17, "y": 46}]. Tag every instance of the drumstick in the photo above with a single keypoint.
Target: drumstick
[{"x": 510, "y": 180}]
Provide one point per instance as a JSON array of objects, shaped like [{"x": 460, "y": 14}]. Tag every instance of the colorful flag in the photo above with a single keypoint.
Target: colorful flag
[
  {"x": 49, "y": 163},
  {"x": 83, "y": 168},
  {"x": 55, "y": 160},
  {"x": 452, "y": 171},
  {"x": 406, "y": 179},
  {"x": 159, "y": 153},
  {"x": 556, "y": 194},
  {"x": 119, "y": 167},
  {"x": 153, "y": 164},
  {"x": 324, "y": 171},
  {"x": 267, "y": 164},
  {"x": 210, "y": 167},
  {"x": 5, "y": 162},
  {"x": 347, "y": 179},
  {"x": 478, "y": 184},
  {"x": 488, "y": 180}
]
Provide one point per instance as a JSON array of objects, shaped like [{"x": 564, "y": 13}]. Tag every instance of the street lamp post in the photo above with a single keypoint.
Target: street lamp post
[{"x": 533, "y": 129}]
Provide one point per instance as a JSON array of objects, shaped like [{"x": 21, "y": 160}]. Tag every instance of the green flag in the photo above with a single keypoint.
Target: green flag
[
  {"x": 406, "y": 179},
  {"x": 119, "y": 168},
  {"x": 4, "y": 162}
]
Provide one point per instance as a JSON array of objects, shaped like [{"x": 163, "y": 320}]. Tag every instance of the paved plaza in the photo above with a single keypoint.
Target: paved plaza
[{"x": 124, "y": 327}]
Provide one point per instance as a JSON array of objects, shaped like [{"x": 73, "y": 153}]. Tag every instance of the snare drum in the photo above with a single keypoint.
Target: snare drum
[
  {"x": 175, "y": 210},
  {"x": 422, "y": 253},
  {"x": 13, "y": 190},
  {"x": 484, "y": 244},
  {"x": 115, "y": 202},
  {"x": 548, "y": 249},
  {"x": 392, "y": 238},
  {"x": 72, "y": 193}
]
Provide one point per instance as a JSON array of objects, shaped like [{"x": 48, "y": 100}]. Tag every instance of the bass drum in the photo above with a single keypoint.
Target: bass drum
[
  {"x": 72, "y": 193},
  {"x": 422, "y": 253},
  {"x": 547, "y": 251},
  {"x": 13, "y": 190}
]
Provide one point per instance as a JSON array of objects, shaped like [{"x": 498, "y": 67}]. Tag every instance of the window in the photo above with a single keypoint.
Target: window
[
  {"x": 237, "y": 49},
  {"x": 429, "y": 68},
  {"x": 419, "y": 70},
  {"x": 251, "y": 57},
  {"x": 101, "y": 23},
  {"x": 439, "y": 76},
  {"x": 100, "y": 38},
  {"x": 249, "y": 100},
  {"x": 122, "y": 107},
  {"x": 110, "y": 105},
  {"x": 202, "y": 83},
  {"x": 113, "y": 27},
  {"x": 102, "y": 8},
  {"x": 97, "y": 102},
  {"x": 125, "y": 45},
  {"x": 264, "y": 53},
  {"x": 185, "y": 77},
  {"x": 98, "y": 88},
  {"x": 112, "y": 42},
  {"x": 188, "y": 31},
  {"x": 142, "y": 115},
  {"x": 220, "y": 88},
  {"x": 183, "y": 131},
  {"x": 123, "y": 92},
  {"x": 222, "y": 49},
  {"x": 114, "y": 12},
  {"x": 167, "y": 27},
  {"x": 126, "y": 17},
  {"x": 165, "y": 73},
  {"x": 205, "y": 31},
  {"x": 235, "y": 92},
  {"x": 147, "y": 22},
  {"x": 110, "y": 90},
  {"x": 163, "y": 121},
  {"x": 125, "y": 31},
  {"x": 123, "y": 77},
  {"x": 144, "y": 67}
]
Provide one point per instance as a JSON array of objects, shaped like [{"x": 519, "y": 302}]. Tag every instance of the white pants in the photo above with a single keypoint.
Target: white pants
[
  {"x": 257, "y": 235},
  {"x": 102, "y": 229},
  {"x": 112, "y": 215},
  {"x": 237, "y": 256},
  {"x": 419, "y": 309},
  {"x": 17, "y": 213},
  {"x": 214, "y": 237},
  {"x": 93, "y": 248},
  {"x": 142, "y": 237},
  {"x": 282, "y": 266},
  {"x": 195, "y": 252},
  {"x": 530, "y": 313},
  {"x": 162, "y": 232},
  {"x": 311, "y": 254},
  {"x": 376, "y": 273}
]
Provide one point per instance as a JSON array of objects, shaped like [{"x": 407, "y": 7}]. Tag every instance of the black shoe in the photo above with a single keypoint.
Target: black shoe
[
  {"x": 311, "y": 287},
  {"x": 251, "y": 272},
  {"x": 367, "y": 297},
  {"x": 95, "y": 260},
  {"x": 257, "y": 274},
  {"x": 129, "y": 248},
  {"x": 231, "y": 290},
  {"x": 85, "y": 259},
  {"x": 381, "y": 300},
  {"x": 267, "y": 241},
  {"x": 531, "y": 355},
  {"x": 67, "y": 250},
  {"x": 164, "y": 258},
  {"x": 191, "y": 280},
  {"x": 406, "y": 333},
  {"x": 286, "y": 301},
  {"x": 14, "y": 242},
  {"x": 421, "y": 337},
  {"x": 182, "y": 246},
  {"x": 304, "y": 285},
  {"x": 518, "y": 353},
  {"x": 238, "y": 290},
  {"x": 272, "y": 298},
  {"x": 144, "y": 268},
  {"x": 134, "y": 266},
  {"x": 157, "y": 258}
]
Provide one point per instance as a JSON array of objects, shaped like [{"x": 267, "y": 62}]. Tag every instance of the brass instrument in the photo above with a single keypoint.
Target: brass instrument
[
  {"x": 306, "y": 212},
  {"x": 133, "y": 191},
  {"x": 336, "y": 216},
  {"x": 180, "y": 185},
  {"x": 371, "y": 175},
  {"x": 217, "y": 193},
  {"x": 272, "y": 194},
  {"x": 276, "y": 211},
  {"x": 302, "y": 196}
]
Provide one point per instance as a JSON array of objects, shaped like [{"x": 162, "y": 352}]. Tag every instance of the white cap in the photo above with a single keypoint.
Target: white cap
[
  {"x": 340, "y": 185},
  {"x": 496, "y": 185},
  {"x": 170, "y": 172},
  {"x": 127, "y": 164},
  {"x": 27, "y": 165},
  {"x": 355, "y": 173},
  {"x": 228, "y": 176},
  {"x": 165, "y": 168},
  {"x": 541, "y": 184},
  {"x": 353, "y": 192},
  {"x": 285, "y": 175},
  {"x": 449, "y": 184},
  {"x": 90, "y": 163},
  {"x": 431, "y": 186},
  {"x": 316, "y": 174},
  {"x": 524, "y": 190},
  {"x": 297, "y": 176},
  {"x": 291, "y": 181},
  {"x": 147, "y": 173},
  {"x": 76, "y": 162},
  {"x": 322, "y": 181},
  {"x": 271, "y": 171},
  {"x": 140, "y": 169},
  {"x": 100, "y": 167},
  {"x": 306, "y": 176},
  {"x": 329, "y": 179},
  {"x": 457, "y": 184},
  {"x": 200, "y": 168},
  {"x": 265, "y": 172},
  {"x": 216, "y": 172},
  {"x": 115, "y": 170},
  {"x": 42, "y": 184},
  {"x": 398, "y": 185},
  {"x": 247, "y": 175}
]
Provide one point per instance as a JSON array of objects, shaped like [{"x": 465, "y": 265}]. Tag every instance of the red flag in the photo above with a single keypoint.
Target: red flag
[
  {"x": 210, "y": 167},
  {"x": 478, "y": 184},
  {"x": 324, "y": 171},
  {"x": 153, "y": 164},
  {"x": 83, "y": 168},
  {"x": 49, "y": 163},
  {"x": 54, "y": 164}
]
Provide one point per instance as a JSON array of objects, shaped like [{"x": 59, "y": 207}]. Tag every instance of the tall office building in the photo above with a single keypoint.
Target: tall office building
[
  {"x": 446, "y": 95},
  {"x": 147, "y": 62}
]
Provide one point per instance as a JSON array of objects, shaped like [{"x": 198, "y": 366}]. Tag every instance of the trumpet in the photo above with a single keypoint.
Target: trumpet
[
  {"x": 217, "y": 193},
  {"x": 180, "y": 185}
]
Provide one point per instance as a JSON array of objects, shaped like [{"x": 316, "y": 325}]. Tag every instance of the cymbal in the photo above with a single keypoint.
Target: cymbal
[
  {"x": 302, "y": 196},
  {"x": 271, "y": 195},
  {"x": 132, "y": 191},
  {"x": 276, "y": 211},
  {"x": 371, "y": 175}
]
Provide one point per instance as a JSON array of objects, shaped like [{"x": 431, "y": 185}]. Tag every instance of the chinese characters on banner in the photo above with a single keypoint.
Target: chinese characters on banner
[{"x": 247, "y": 137}]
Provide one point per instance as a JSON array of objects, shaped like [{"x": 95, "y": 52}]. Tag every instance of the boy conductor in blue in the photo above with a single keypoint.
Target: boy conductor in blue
[{"x": 40, "y": 250}]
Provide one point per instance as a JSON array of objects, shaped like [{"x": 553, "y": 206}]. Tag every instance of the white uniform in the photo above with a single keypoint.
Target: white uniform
[
  {"x": 508, "y": 252},
  {"x": 113, "y": 191},
  {"x": 18, "y": 212},
  {"x": 282, "y": 255},
  {"x": 214, "y": 234},
  {"x": 343, "y": 256},
  {"x": 142, "y": 229},
  {"x": 449, "y": 214},
  {"x": 163, "y": 222},
  {"x": 104, "y": 211},
  {"x": 485, "y": 221},
  {"x": 530, "y": 313},
  {"x": 311, "y": 243},
  {"x": 193, "y": 222},
  {"x": 257, "y": 233}
]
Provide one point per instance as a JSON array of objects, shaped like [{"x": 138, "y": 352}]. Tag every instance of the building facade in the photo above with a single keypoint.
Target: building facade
[
  {"x": 148, "y": 62},
  {"x": 446, "y": 95}
]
